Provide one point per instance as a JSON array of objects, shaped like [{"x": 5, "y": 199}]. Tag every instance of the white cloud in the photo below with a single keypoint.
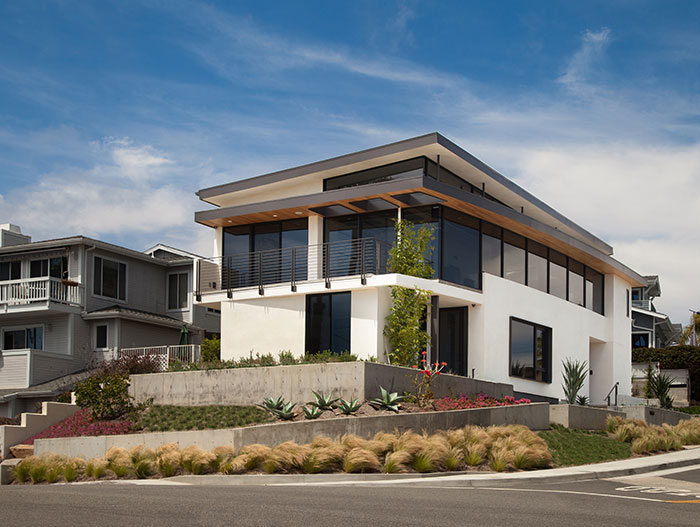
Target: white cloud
[
  {"x": 122, "y": 196},
  {"x": 578, "y": 70}
]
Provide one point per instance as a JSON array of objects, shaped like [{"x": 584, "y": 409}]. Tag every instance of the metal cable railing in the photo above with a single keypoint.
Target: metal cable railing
[{"x": 365, "y": 256}]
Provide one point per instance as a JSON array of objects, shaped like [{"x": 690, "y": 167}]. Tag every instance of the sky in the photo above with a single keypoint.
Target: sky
[{"x": 113, "y": 114}]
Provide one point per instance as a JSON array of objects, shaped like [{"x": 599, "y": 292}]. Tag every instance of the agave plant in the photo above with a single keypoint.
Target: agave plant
[
  {"x": 661, "y": 387},
  {"x": 268, "y": 403},
  {"x": 312, "y": 412},
  {"x": 387, "y": 401},
  {"x": 349, "y": 407},
  {"x": 324, "y": 401},
  {"x": 582, "y": 400},
  {"x": 287, "y": 412},
  {"x": 574, "y": 376}
]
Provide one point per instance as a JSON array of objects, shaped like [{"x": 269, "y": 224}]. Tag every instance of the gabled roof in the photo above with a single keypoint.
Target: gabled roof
[
  {"x": 117, "y": 311},
  {"x": 56, "y": 243}
]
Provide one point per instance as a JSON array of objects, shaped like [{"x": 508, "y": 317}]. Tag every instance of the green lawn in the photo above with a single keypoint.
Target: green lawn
[
  {"x": 580, "y": 447},
  {"x": 166, "y": 418}
]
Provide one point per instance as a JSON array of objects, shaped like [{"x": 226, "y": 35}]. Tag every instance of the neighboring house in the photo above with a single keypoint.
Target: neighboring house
[
  {"x": 69, "y": 303},
  {"x": 651, "y": 329},
  {"x": 302, "y": 253}
]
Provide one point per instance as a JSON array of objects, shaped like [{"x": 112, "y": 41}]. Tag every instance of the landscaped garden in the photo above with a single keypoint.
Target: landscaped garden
[{"x": 471, "y": 448}]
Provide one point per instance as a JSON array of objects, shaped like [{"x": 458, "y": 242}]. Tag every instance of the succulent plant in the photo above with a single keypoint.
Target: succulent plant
[
  {"x": 349, "y": 407},
  {"x": 287, "y": 412},
  {"x": 387, "y": 401},
  {"x": 312, "y": 412},
  {"x": 268, "y": 403},
  {"x": 324, "y": 401}
]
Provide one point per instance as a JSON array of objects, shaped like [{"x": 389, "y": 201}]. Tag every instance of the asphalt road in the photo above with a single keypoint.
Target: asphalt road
[{"x": 656, "y": 499}]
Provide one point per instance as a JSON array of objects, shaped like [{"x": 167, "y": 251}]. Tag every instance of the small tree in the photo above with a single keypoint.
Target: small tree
[{"x": 406, "y": 328}]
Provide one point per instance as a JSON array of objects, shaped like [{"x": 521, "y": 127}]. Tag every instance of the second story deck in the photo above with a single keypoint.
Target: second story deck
[{"x": 38, "y": 293}]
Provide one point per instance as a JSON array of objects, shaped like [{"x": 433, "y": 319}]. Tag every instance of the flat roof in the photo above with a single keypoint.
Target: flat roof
[{"x": 435, "y": 142}]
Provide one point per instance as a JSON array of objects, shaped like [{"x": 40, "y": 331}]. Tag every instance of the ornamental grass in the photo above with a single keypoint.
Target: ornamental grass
[
  {"x": 648, "y": 439},
  {"x": 467, "y": 448}
]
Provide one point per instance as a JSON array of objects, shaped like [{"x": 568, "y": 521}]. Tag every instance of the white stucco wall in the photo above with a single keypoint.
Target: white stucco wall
[
  {"x": 265, "y": 325},
  {"x": 577, "y": 333}
]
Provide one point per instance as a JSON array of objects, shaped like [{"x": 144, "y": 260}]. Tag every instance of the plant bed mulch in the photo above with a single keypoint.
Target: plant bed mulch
[{"x": 434, "y": 405}]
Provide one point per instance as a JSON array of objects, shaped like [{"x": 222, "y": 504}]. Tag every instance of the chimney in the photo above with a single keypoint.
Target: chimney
[{"x": 12, "y": 235}]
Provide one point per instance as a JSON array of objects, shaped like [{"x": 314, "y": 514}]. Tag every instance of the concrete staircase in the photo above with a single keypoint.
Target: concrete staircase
[{"x": 33, "y": 423}]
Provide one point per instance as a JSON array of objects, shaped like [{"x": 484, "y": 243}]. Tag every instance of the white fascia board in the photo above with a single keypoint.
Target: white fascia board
[{"x": 650, "y": 313}]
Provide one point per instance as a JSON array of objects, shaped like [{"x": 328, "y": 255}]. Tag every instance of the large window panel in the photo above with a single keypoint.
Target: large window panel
[
  {"x": 328, "y": 322},
  {"x": 491, "y": 248},
  {"x": 23, "y": 338},
  {"x": 595, "y": 285},
  {"x": 403, "y": 169},
  {"x": 460, "y": 252},
  {"x": 530, "y": 351},
  {"x": 429, "y": 217},
  {"x": 109, "y": 278},
  {"x": 178, "y": 291},
  {"x": 513, "y": 257},
  {"x": 576, "y": 282},
  {"x": 537, "y": 266},
  {"x": 557, "y": 274}
]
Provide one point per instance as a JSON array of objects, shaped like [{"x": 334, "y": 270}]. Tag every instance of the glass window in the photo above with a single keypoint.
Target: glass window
[
  {"x": 445, "y": 176},
  {"x": 513, "y": 257},
  {"x": 530, "y": 351},
  {"x": 429, "y": 217},
  {"x": 460, "y": 252},
  {"x": 491, "y": 248},
  {"x": 17, "y": 339},
  {"x": 109, "y": 278},
  {"x": 295, "y": 234},
  {"x": 636, "y": 293},
  {"x": 576, "y": 282},
  {"x": 557, "y": 274},
  {"x": 402, "y": 169},
  {"x": 640, "y": 340},
  {"x": 537, "y": 265},
  {"x": 328, "y": 323},
  {"x": 53, "y": 267},
  {"x": 10, "y": 270},
  {"x": 594, "y": 290},
  {"x": 101, "y": 336},
  {"x": 178, "y": 291}
]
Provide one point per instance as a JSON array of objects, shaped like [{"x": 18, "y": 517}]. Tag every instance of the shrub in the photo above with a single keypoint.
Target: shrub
[
  {"x": 107, "y": 397},
  {"x": 82, "y": 423},
  {"x": 498, "y": 460},
  {"x": 575, "y": 373},
  {"x": 197, "y": 461},
  {"x": 211, "y": 349},
  {"x": 130, "y": 365},
  {"x": 118, "y": 461},
  {"x": 64, "y": 397},
  {"x": 72, "y": 469},
  {"x": 396, "y": 462},
  {"x": 144, "y": 468},
  {"x": 474, "y": 454},
  {"x": 168, "y": 459}
]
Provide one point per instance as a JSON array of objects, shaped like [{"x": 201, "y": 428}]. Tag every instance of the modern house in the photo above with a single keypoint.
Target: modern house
[
  {"x": 69, "y": 303},
  {"x": 301, "y": 260},
  {"x": 651, "y": 329}
]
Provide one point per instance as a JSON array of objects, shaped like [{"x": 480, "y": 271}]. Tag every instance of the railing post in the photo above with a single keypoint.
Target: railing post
[
  {"x": 261, "y": 290},
  {"x": 363, "y": 278},
  {"x": 294, "y": 267},
  {"x": 327, "y": 264},
  {"x": 198, "y": 275},
  {"x": 229, "y": 293}
]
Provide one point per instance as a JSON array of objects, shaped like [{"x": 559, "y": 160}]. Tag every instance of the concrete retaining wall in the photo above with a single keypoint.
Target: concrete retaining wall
[
  {"x": 580, "y": 417},
  {"x": 655, "y": 416},
  {"x": 360, "y": 380},
  {"x": 535, "y": 416},
  {"x": 32, "y": 424}
]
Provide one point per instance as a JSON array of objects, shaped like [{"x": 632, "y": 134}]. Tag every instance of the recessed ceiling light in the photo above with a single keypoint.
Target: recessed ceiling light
[
  {"x": 230, "y": 221},
  {"x": 274, "y": 215},
  {"x": 298, "y": 213}
]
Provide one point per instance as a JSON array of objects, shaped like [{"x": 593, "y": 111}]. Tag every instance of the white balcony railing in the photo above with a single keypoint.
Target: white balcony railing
[
  {"x": 31, "y": 290},
  {"x": 185, "y": 353}
]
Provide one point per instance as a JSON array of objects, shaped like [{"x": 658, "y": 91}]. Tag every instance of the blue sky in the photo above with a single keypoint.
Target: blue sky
[{"x": 112, "y": 114}]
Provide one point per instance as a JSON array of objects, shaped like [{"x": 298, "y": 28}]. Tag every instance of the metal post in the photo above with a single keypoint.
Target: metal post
[
  {"x": 326, "y": 264},
  {"x": 261, "y": 290},
  {"x": 363, "y": 278},
  {"x": 229, "y": 293},
  {"x": 294, "y": 266}
]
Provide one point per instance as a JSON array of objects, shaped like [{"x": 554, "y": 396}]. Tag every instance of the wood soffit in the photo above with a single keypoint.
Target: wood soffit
[{"x": 443, "y": 199}]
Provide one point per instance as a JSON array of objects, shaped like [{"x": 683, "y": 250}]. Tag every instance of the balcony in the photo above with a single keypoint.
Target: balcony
[
  {"x": 29, "y": 292},
  {"x": 326, "y": 261},
  {"x": 643, "y": 304}
]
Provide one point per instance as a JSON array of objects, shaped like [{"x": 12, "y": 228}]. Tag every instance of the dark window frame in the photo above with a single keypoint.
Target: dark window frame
[
  {"x": 178, "y": 283},
  {"x": 12, "y": 269},
  {"x": 97, "y": 336},
  {"x": 547, "y": 350},
  {"x": 309, "y": 321}
]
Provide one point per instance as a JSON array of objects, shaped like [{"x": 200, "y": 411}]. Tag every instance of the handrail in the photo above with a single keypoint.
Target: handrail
[
  {"x": 613, "y": 389},
  {"x": 28, "y": 290},
  {"x": 290, "y": 265}
]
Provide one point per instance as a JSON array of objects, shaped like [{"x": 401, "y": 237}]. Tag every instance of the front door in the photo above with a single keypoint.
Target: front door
[{"x": 453, "y": 340}]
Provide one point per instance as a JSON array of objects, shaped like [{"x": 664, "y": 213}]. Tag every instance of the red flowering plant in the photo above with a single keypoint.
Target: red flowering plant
[
  {"x": 82, "y": 423},
  {"x": 428, "y": 372},
  {"x": 481, "y": 401}
]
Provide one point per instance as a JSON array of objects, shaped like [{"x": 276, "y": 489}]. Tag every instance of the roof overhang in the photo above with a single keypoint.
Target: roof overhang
[{"x": 432, "y": 145}]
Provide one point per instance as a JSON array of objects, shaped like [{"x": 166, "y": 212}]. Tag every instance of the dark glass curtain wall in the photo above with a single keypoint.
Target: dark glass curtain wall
[{"x": 328, "y": 323}]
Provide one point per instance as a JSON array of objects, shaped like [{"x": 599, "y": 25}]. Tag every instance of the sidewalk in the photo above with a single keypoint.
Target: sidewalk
[{"x": 611, "y": 469}]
